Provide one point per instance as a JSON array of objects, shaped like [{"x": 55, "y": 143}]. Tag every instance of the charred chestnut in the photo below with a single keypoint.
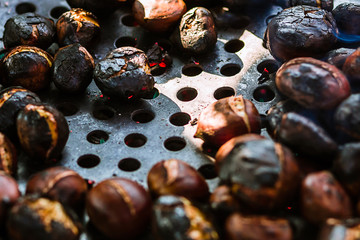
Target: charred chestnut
[
  {"x": 73, "y": 69},
  {"x": 175, "y": 177},
  {"x": 176, "y": 218},
  {"x": 60, "y": 184},
  {"x": 8, "y": 156},
  {"x": 227, "y": 118},
  {"x": 323, "y": 197},
  {"x": 345, "y": 14},
  {"x": 9, "y": 193},
  {"x": 312, "y": 83},
  {"x": 41, "y": 219},
  {"x": 223, "y": 202},
  {"x": 119, "y": 208},
  {"x": 257, "y": 228},
  {"x": 26, "y": 66},
  {"x": 43, "y": 131},
  {"x": 158, "y": 15},
  {"x": 77, "y": 26},
  {"x": 262, "y": 174},
  {"x": 29, "y": 29},
  {"x": 124, "y": 73},
  {"x": 335, "y": 229},
  {"x": 311, "y": 36},
  {"x": 338, "y": 56},
  {"x": 351, "y": 66}
]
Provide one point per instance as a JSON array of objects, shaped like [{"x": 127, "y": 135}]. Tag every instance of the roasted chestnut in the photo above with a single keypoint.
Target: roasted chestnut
[
  {"x": 176, "y": 218},
  {"x": 26, "y": 66},
  {"x": 351, "y": 66},
  {"x": 158, "y": 15},
  {"x": 301, "y": 31},
  {"x": 8, "y": 156},
  {"x": 262, "y": 174},
  {"x": 240, "y": 227},
  {"x": 175, "y": 177},
  {"x": 347, "y": 15},
  {"x": 337, "y": 57},
  {"x": 312, "y": 83},
  {"x": 77, "y": 26},
  {"x": 227, "y": 118},
  {"x": 73, "y": 69},
  {"x": 124, "y": 73},
  {"x": 120, "y": 208},
  {"x": 323, "y": 197},
  {"x": 9, "y": 193},
  {"x": 29, "y": 29},
  {"x": 223, "y": 202},
  {"x": 41, "y": 219},
  {"x": 61, "y": 184},
  {"x": 43, "y": 131},
  {"x": 324, "y": 4},
  {"x": 335, "y": 229}
]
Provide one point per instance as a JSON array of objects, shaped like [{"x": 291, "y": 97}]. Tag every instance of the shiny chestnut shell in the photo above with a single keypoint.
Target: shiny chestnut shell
[
  {"x": 337, "y": 57},
  {"x": 43, "y": 131},
  {"x": 9, "y": 193},
  {"x": 8, "y": 156},
  {"x": 227, "y": 118},
  {"x": 347, "y": 118},
  {"x": 26, "y": 66},
  {"x": 351, "y": 67},
  {"x": 346, "y": 15},
  {"x": 120, "y": 208},
  {"x": 175, "y": 177},
  {"x": 223, "y": 202},
  {"x": 312, "y": 83}
]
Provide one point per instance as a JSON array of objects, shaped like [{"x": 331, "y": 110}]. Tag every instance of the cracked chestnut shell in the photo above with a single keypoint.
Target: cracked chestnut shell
[
  {"x": 120, "y": 208},
  {"x": 43, "y": 131},
  {"x": 335, "y": 229},
  {"x": 158, "y": 15},
  {"x": 77, "y": 26},
  {"x": 41, "y": 219},
  {"x": 351, "y": 67},
  {"x": 73, "y": 69},
  {"x": 176, "y": 218},
  {"x": 227, "y": 118},
  {"x": 301, "y": 31},
  {"x": 257, "y": 228},
  {"x": 9, "y": 193},
  {"x": 61, "y": 184},
  {"x": 26, "y": 66},
  {"x": 124, "y": 74},
  {"x": 8, "y": 156},
  {"x": 29, "y": 29},
  {"x": 346, "y": 15},
  {"x": 323, "y": 197},
  {"x": 312, "y": 83},
  {"x": 175, "y": 177}
]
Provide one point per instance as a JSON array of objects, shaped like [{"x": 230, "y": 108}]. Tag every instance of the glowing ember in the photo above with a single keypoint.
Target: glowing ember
[
  {"x": 101, "y": 96},
  {"x": 263, "y": 91},
  {"x": 265, "y": 70},
  {"x": 162, "y": 64},
  {"x": 131, "y": 96}
]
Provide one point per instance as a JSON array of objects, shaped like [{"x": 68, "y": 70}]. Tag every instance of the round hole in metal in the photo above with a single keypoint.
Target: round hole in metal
[
  {"x": 142, "y": 116},
  {"x": 67, "y": 108},
  {"x": 103, "y": 113},
  {"x": 224, "y": 92},
  {"x": 129, "y": 20},
  {"x": 157, "y": 70},
  {"x": 125, "y": 41},
  {"x": 135, "y": 140},
  {"x": 187, "y": 94},
  {"x": 88, "y": 161},
  {"x": 234, "y": 45},
  {"x": 208, "y": 171},
  {"x": 269, "y": 66},
  {"x": 154, "y": 93},
  {"x": 263, "y": 94},
  {"x": 240, "y": 22},
  {"x": 25, "y": 7},
  {"x": 192, "y": 70},
  {"x": 175, "y": 144},
  {"x": 97, "y": 137},
  {"x": 180, "y": 119},
  {"x": 129, "y": 164},
  {"x": 165, "y": 44},
  {"x": 230, "y": 69},
  {"x": 56, "y": 12}
]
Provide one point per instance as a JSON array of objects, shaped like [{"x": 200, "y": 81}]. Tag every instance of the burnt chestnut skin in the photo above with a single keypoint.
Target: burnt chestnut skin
[
  {"x": 351, "y": 67},
  {"x": 347, "y": 118},
  {"x": 8, "y": 156},
  {"x": 347, "y": 15},
  {"x": 9, "y": 193}
]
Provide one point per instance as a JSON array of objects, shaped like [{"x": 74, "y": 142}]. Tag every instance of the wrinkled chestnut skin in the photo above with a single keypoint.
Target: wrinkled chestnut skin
[
  {"x": 26, "y": 66},
  {"x": 29, "y": 29},
  {"x": 158, "y": 15},
  {"x": 347, "y": 15},
  {"x": 176, "y": 218},
  {"x": 337, "y": 57},
  {"x": 301, "y": 31},
  {"x": 101, "y": 7},
  {"x": 9, "y": 193},
  {"x": 335, "y": 229},
  {"x": 223, "y": 202},
  {"x": 43, "y": 131},
  {"x": 175, "y": 177},
  {"x": 120, "y": 208},
  {"x": 227, "y": 118},
  {"x": 347, "y": 117},
  {"x": 124, "y": 73},
  {"x": 73, "y": 69},
  {"x": 41, "y": 219},
  {"x": 8, "y": 156},
  {"x": 261, "y": 173},
  {"x": 77, "y": 26},
  {"x": 240, "y": 227},
  {"x": 323, "y": 197},
  {"x": 351, "y": 66},
  {"x": 61, "y": 184},
  {"x": 312, "y": 83}
]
